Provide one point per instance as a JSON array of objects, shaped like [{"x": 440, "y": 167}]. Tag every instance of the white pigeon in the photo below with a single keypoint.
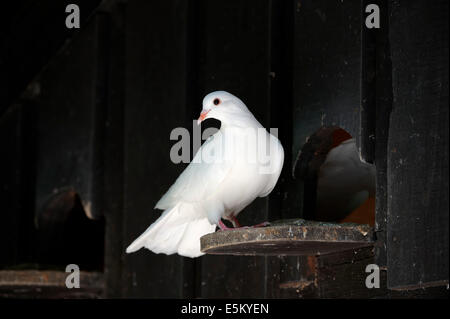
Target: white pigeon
[{"x": 230, "y": 170}]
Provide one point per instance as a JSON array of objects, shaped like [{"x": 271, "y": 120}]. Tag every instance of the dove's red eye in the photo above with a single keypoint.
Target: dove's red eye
[{"x": 216, "y": 101}]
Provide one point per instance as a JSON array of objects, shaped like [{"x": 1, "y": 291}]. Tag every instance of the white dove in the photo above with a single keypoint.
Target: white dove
[{"x": 239, "y": 163}]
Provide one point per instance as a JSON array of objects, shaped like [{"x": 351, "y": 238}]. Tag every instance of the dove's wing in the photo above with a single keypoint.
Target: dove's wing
[
  {"x": 276, "y": 164},
  {"x": 179, "y": 228},
  {"x": 202, "y": 177}
]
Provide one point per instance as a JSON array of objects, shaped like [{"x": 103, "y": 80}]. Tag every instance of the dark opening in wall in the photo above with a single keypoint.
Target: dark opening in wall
[
  {"x": 65, "y": 234},
  {"x": 339, "y": 186},
  {"x": 58, "y": 235}
]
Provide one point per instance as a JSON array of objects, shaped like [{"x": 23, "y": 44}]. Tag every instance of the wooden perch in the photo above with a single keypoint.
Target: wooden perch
[
  {"x": 48, "y": 284},
  {"x": 288, "y": 237}
]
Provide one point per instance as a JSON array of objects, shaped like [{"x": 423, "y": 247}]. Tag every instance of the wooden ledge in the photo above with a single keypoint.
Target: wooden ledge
[
  {"x": 288, "y": 237},
  {"x": 48, "y": 284}
]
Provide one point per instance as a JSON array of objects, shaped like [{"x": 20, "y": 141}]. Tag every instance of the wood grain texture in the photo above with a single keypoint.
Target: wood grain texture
[
  {"x": 11, "y": 177},
  {"x": 327, "y": 67},
  {"x": 32, "y": 33},
  {"x": 417, "y": 170},
  {"x": 69, "y": 123},
  {"x": 155, "y": 103},
  {"x": 310, "y": 240},
  {"x": 234, "y": 56},
  {"x": 383, "y": 107},
  {"x": 57, "y": 159},
  {"x": 113, "y": 195},
  {"x": 49, "y": 285}
]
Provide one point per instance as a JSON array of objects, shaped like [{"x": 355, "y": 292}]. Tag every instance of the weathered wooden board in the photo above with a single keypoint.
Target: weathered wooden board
[
  {"x": 311, "y": 239},
  {"x": 113, "y": 151},
  {"x": 55, "y": 157},
  {"x": 70, "y": 123},
  {"x": 379, "y": 106},
  {"x": 417, "y": 169},
  {"x": 48, "y": 284},
  {"x": 155, "y": 104},
  {"x": 234, "y": 44},
  {"x": 31, "y": 34},
  {"x": 69, "y": 99},
  {"x": 343, "y": 275},
  {"x": 327, "y": 67},
  {"x": 11, "y": 185},
  {"x": 376, "y": 105},
  {"x": 283, "y": 201},
  {"x": 327, "y": 78}
]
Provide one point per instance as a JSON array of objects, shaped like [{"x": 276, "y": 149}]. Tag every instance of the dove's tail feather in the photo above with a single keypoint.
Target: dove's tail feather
[{"x": 177, "y": 230}]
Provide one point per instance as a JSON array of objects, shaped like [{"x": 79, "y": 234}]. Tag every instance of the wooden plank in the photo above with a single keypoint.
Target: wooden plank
[
  {"x": 69, "y": 100},
  {"x": 298, "y": 277},
  {"x": 47, "y": 278},
  {"x": 69, "y": 125},
  {"x": 418, "y": 219},
  {"x": 113, "y": 151},
  {"x": 48, "y": 284},
  {"x": 234, "y": 55},
  {"x": 18, "y": 67},
  {"x": 155, "y": 90},
  {"x": 327, "y": 69},
  {"x": 383, "y": 107},
  {"x": 376, "y": 105},
  {"x": 37, "y": 27},
  {"x": 343, "y": 275},
  {"x": 335, "y": 275},
  {"x": 11, "y": 141},
  {"x": 306, "y": 238},
  {"x": 423, "y": 292},
  {"x": 284, "y": 199}
]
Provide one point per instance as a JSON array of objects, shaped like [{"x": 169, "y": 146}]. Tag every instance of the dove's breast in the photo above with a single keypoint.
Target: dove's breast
[{"x": 256, "y": 166}]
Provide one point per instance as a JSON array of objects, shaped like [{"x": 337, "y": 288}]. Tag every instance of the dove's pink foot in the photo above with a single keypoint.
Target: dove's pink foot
[
  {"x": 237, "y": 225},
  {"x": 235, "y": 222},
  {"x": 264, "y": 224},
  {"x": 222, "y": 226}
]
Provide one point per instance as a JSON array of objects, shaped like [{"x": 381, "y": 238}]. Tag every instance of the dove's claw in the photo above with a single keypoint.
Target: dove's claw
[
  {"x": 222, "y": 226},
  {"x": 235, "y": 222},
  {"x": 264, "y": 224}
]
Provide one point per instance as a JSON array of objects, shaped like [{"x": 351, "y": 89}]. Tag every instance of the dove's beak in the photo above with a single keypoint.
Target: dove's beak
[{"x": 202, "y": 116}]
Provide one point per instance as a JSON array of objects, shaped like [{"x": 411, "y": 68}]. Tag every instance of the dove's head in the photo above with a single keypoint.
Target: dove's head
[{"x": 225, "y": 107}]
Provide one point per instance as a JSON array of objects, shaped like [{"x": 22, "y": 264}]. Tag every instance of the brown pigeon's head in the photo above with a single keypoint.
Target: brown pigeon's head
[{"x": 315, "y": 150}]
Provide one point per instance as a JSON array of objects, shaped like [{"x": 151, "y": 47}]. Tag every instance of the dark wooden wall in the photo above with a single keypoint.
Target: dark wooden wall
[
  {"x": 417, "y": 160},
  {"x": 86, "y": 117}
]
